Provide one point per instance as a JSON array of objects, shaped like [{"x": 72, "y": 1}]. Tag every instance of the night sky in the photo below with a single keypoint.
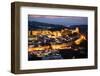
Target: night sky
[{"x": 62, "y": 20}]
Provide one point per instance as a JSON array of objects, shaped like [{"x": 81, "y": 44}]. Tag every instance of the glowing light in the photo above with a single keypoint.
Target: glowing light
[{"x": 78, "y": 41}]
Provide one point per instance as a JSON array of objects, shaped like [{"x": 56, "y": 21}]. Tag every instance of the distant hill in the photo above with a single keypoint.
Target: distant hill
[
  {"x": 80, "y": 26},
  {"x": 33, "y": 25}
]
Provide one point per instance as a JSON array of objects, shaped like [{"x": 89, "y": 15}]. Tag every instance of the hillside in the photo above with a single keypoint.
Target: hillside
[{"x": 33, "y": 25}]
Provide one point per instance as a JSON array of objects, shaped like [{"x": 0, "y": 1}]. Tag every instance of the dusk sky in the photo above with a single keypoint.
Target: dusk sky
[{"x": 62, "y": 20}]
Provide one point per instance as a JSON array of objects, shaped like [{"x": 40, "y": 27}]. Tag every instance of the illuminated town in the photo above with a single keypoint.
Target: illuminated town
[{"x": 44, "y": 42}]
